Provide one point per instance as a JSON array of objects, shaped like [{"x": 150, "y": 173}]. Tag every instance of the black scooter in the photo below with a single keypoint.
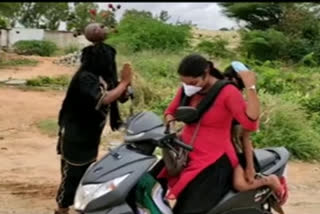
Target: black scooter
[{"x": 107, "y": 185}]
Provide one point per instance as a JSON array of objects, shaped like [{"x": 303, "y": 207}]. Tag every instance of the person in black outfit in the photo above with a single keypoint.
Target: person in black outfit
[{"x": 92, "y": 94}]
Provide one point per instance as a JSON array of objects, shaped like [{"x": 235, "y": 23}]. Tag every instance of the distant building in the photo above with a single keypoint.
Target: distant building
[{"x": 62, "y": 38}]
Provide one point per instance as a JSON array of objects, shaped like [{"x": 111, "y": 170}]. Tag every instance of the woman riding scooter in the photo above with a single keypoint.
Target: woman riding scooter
[{"x": 209, "y": 171}]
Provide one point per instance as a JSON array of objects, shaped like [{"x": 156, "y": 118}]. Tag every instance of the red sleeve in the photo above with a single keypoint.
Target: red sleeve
[
  {"x": 174, "y": 104},
  {"x": 237, "y": 106}
]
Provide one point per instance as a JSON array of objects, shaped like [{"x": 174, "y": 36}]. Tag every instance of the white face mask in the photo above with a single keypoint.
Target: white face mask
[{"x": 190, "y": 90}]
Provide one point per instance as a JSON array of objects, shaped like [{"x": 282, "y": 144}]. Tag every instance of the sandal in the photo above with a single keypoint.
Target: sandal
[{"x": 283, "y": 193}]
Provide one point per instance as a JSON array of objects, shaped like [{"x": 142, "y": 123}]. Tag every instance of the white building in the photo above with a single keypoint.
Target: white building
[{"x": 62, "y": 38}]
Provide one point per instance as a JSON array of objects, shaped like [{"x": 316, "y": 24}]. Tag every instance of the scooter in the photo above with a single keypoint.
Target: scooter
[{"x": 107, "y": 185}]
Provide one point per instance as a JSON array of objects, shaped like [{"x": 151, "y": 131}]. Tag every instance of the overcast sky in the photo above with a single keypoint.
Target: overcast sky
[{"x": 204, "y": 15}]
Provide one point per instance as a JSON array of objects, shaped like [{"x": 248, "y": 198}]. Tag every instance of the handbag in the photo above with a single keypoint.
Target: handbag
[{"x": 176, "y": 162}]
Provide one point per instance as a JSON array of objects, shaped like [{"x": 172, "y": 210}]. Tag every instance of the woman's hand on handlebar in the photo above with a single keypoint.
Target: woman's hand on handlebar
[{"x": 169, "y": 120}]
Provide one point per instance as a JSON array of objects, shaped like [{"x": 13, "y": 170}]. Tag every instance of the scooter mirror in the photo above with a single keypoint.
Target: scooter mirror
[{"x": 186, "y": 114}]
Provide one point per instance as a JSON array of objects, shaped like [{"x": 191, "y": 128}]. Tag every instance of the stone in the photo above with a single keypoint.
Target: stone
[{"x": 16, "y": 82}]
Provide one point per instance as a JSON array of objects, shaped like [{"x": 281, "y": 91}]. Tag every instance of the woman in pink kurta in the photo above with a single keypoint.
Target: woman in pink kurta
[{"x": 212, "y": 146}]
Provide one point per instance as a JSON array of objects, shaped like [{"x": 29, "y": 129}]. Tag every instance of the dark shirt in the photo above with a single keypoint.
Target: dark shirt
[{"x": 81, "y": 123}]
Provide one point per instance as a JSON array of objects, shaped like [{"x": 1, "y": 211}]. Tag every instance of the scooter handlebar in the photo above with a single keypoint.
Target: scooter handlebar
[{"x": 183, "y": 145}]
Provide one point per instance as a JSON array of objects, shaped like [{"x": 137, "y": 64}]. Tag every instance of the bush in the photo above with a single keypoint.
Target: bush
[
  {"x": 35, "y": 47},
  {"x": 285, "y": 124},
  {"x": 215, "y": 47},
  {"x": 143, "y": 32},
  {"x": 264, "y": 45}
]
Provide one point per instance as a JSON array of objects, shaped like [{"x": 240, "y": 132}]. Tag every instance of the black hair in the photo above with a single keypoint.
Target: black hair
[
  {"x": 99, "y": 59},
  {"x": 230, "y": 73},
  {"x": 194, "y": 65}
]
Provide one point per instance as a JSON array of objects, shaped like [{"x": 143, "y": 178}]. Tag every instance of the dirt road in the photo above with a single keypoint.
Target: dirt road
[{"x": 30, "y": 167}]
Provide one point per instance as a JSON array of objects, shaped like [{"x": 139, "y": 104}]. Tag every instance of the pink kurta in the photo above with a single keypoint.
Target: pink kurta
[{"x": 213, "y": 139}]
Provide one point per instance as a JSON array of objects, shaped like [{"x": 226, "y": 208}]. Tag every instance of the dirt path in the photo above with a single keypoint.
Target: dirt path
[
  {"x": 30, "y": 167},
  {"x": 45, "y": 67}
]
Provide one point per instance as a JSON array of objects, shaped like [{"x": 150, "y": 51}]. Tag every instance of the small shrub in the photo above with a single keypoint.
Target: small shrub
[
  {"x": 48, "y": 127},
  {"x": 312, "y": 102},
  {"x": 18, "y": 62},
  {"x": 35, "y": 47},
  {"x": 44, "y": 81},
  {"x": 215, "y": 47},
  {"x": 309, "y": 60}
]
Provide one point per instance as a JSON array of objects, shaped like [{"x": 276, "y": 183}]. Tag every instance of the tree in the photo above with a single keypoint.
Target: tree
[
  {"x": 107, "y": 18},
  {"x": 43, "y": 15},
  {"x": 301, "y": 21},
  {"x": 31, "y": 14},
  {"x": 6, "y": 9},
  {"x": 224, "y": 29},
  {"x": 137, "y": 13},
  {"x": 259, "y": 16},
  {"x": 164, "y": 16},
  {"x": 3, "y": 22},
  {"x": 8, "y": 13},
  {"x": 56, "y": 13},
  {"x": 293, "y": 19},
  {"x": 85, "y": 13},
  {"x": 80, "y": 17}
]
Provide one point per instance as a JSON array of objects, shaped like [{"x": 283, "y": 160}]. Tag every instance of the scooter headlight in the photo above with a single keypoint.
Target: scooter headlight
[{"x": 86, "y": 193}]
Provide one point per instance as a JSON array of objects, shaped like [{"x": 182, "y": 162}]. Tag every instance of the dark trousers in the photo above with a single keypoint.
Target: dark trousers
[
  {"x": 70, "y": 179},
  {"x": 207, "y": 189}
]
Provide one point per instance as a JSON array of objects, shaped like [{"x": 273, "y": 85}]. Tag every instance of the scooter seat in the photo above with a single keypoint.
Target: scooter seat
[{"x": 266, "y": 158}]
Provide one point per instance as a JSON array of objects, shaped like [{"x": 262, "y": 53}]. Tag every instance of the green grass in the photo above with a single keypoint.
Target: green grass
[
  {"x": 17, "y": 62},
  {"x": 48, "y": 127}
]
